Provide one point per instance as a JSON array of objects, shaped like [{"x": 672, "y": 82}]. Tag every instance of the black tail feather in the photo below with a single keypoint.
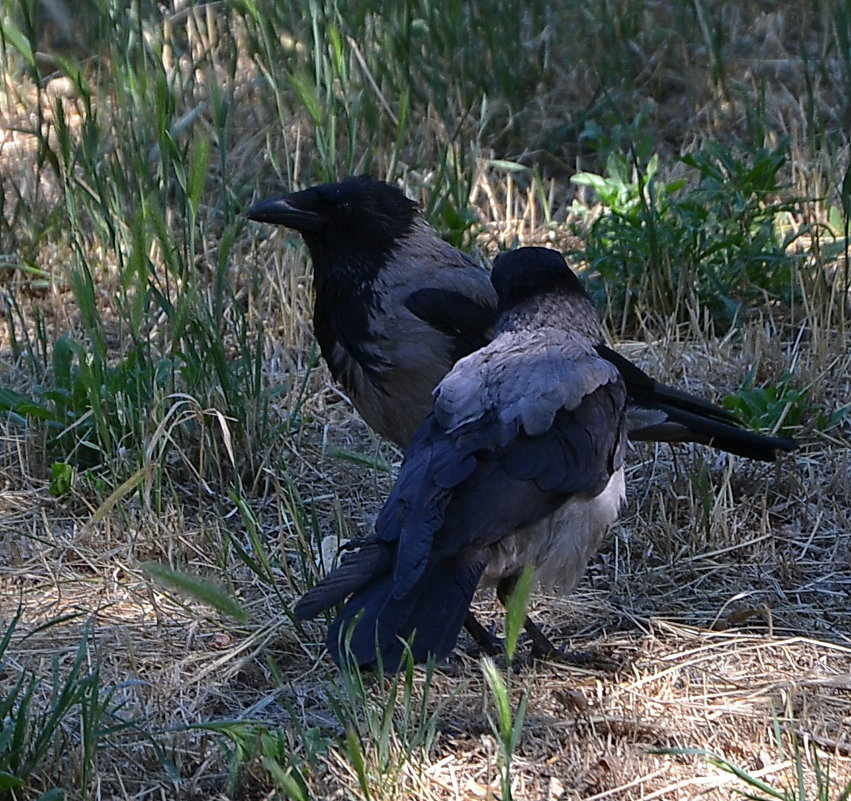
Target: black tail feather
[
  {"x": 646, "y": 391},
  {"x": 688, "y": 418},
  {"x": 357, "y": 568},
  {"x": 430, "y": 616},
  {"x": 683, "y": 426}
]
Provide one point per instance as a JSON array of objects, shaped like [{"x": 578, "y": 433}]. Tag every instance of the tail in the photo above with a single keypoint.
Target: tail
[
  {"x": 683, "y": 426},
  {"x": 364, "y": 564},
  {"x": 374, "y": 625},
  {"x": 665, "y": 414}
]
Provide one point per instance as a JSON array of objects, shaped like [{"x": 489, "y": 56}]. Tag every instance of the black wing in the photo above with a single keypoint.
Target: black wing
[{"x": 466, "y": 320}]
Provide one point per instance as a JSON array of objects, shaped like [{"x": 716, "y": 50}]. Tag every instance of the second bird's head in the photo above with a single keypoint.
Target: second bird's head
[
  {"x": 355, "y": 218},
  {"x": 531, "y": 272}
]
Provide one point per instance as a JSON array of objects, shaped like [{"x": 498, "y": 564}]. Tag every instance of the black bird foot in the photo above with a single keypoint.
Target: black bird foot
[
  {"x": 576, "y": 658},
  {"x": 543, "y": 648},
  {"x": 486, "y": 641},
  {"x": 582, "y": 659}
]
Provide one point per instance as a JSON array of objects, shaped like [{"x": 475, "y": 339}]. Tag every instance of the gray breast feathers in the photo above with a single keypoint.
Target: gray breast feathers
[{"x": 406, "y": 355}]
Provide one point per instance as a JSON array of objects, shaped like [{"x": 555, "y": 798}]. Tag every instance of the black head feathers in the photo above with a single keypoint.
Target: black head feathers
[
  {"x": 532, "y": 271},
  {"x": 358, "y": 212}
]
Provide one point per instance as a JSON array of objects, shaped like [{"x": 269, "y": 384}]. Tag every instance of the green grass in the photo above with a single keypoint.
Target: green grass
[
  {"x": 716, "y": 243},
  {"x": 68, "y": 708},
  {"x": 802, "y": 759},
  {"x": 507, "y": 723},
  {"x": 384, "y": 725}
]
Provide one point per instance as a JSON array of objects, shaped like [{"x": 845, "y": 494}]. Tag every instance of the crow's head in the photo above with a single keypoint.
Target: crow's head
[
  {"x": 359, "y": 218},
  {"x": 531, "y": 272}
]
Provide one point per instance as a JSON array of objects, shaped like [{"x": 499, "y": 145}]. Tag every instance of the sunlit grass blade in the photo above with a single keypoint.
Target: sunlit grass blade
[{"x": 202, "y": 590}]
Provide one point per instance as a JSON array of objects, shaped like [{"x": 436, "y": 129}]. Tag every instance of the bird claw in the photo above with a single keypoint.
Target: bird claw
[
  {"x": 485, "y": 641},
  {"x": 581, "y": 659}
]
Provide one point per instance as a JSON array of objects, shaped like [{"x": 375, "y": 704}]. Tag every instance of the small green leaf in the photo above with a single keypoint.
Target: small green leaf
[
  {"x": 52, "y": 795},
  {"x": 499, "y": 690},
  {"x": 61, "y": 478},
  {"x": 9, "y": 781},
  {"x": 19, "y": 42},
  {"x": 362, "y": 459}
]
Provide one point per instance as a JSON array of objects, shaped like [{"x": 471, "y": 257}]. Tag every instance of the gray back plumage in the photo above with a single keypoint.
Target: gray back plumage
[{"x": 524, "y": 377}]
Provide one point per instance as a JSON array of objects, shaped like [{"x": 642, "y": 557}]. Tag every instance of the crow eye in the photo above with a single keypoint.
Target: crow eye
[{"x": 344, "y": 209}]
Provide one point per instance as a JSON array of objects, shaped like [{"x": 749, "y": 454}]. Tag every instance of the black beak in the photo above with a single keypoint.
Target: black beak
[{"x": 280, "y": 211}]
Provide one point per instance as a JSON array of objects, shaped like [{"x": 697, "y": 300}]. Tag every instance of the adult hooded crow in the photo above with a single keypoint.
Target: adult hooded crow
[
  {"x": 519, "y": 462},
  {"x": 396, "y": 307}
]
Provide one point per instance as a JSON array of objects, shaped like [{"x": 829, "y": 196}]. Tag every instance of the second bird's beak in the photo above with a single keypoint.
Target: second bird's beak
[{"x": 280, "y": 211}]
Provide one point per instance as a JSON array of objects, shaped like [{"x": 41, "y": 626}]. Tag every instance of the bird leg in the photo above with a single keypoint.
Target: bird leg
[
  {"x": 542, "y": 648},
  {"x": 489, "y": 643}
]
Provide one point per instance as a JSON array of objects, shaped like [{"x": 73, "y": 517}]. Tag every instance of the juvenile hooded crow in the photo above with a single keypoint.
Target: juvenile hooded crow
[
  {"x": 519, "y": 462},
  {"x": 396, "y": 307}
]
